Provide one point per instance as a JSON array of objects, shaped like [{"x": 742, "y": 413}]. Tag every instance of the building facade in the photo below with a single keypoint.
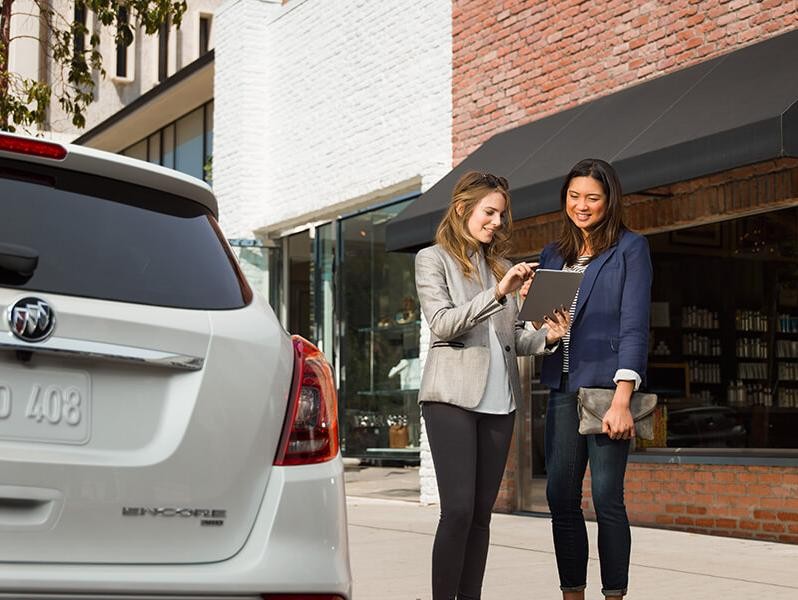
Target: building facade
[
  {"x": 131, "y": 72},
  {"x": 723, "y": 353}
]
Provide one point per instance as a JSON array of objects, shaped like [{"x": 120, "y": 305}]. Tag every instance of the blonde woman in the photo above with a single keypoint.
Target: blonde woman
[{"x": 470, "y": 385}]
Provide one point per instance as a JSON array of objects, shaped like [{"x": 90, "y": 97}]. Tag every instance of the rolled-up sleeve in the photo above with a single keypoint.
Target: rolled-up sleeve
[{"x": 628, "y": 375}]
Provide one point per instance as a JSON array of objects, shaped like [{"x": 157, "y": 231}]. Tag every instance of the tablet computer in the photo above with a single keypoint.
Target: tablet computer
[{"x": 549, "y": 291}]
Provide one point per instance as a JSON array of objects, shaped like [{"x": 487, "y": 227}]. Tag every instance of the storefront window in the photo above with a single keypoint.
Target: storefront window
[
  {"x": 724, "y": 333},
  {"x": 276, "y": 282},
  {"x": 379, "y": 343},
  {"x": 253, "y": 258},
  {"x": 324, "y": 286},
  {"x": 300, "y": 292}
]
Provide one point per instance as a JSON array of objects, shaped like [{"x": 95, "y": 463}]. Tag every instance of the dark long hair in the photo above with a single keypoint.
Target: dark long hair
[{"x": 608, "y": 230}]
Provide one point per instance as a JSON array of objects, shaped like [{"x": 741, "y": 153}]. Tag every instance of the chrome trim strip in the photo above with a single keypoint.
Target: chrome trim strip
[{"x": 89, "y": 349}]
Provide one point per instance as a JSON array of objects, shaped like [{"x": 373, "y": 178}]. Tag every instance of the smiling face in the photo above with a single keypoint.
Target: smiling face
[
  {"x": 487, "y": 217},
  {"x": 585, "y": 203}
]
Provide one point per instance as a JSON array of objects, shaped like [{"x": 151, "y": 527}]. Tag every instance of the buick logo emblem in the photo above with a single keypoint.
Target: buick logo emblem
[{"x": 31, "y": 319}]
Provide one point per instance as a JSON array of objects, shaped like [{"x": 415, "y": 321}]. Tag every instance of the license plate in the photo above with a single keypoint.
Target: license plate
[{"x": 45, "y": 405}]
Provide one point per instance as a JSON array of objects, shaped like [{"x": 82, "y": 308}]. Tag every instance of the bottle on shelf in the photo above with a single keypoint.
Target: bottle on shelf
[
  {"x": 788, "y": 371},
  {"x": 736, "y": 394},
  {"x": 787, "y": 323},
  {"x": 750, "y": 321},
  {"x": 788, "y": 397},
  {"x": 748, "y": 370},
  {"x": 694, "y": 317},
  {"x": 786, "y": 349}
]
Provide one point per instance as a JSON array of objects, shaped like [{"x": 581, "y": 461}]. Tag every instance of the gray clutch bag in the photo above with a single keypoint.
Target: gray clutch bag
[{"x": 593, "y": 404}]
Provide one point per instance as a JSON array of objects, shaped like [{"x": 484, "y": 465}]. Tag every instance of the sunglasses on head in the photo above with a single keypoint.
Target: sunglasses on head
[{"x": 495, "y": 181}]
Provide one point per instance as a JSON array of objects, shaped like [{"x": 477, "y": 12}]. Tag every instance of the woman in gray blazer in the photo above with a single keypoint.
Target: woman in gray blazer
[{"x": 470, "y": 385}]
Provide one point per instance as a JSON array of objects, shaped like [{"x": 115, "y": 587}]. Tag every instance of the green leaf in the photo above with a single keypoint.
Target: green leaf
[{"x": 24, "y": 103}]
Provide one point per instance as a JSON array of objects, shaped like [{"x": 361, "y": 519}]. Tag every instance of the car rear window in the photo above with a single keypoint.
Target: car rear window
[{"x": 102, "y": 238}]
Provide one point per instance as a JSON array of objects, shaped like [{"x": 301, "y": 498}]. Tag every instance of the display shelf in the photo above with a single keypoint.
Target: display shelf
[
  {"x": 385, "y": 392},
  {"x": 387, "y": 456},
  {"x": 770, "y": 409},
  {"x": 407, "y": 450},
  {"x": 409, "y": 326}
]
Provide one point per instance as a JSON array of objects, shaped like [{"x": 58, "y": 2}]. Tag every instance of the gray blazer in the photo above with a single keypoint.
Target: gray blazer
[{"x": 457, "y": 310}]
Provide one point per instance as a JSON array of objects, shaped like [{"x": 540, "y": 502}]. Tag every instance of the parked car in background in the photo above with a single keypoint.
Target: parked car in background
[
  {"x": 161, "y": 435},
  {"x": 706, "y": 427}
]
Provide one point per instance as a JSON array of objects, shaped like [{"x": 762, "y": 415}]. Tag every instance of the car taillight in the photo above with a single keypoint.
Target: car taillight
[
  {"x": 310, "y": 433},
  {"x": 20, "y": 145}
]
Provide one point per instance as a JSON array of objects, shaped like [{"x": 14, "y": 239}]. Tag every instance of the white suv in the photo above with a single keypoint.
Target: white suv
[{"x": 161, "y": 435}]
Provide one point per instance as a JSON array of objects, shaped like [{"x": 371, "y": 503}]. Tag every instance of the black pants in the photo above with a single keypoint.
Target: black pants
[{"x": 469, "y": 450}]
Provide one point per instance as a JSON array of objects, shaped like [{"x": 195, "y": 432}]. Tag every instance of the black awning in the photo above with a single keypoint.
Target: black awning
[{"x": 734, "y": 110}]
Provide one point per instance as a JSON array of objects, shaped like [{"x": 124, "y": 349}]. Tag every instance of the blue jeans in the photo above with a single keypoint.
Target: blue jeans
[{"x": 567, "y": 455}]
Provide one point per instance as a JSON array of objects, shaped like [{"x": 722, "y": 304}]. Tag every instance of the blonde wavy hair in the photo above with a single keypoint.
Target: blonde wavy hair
[{"x": 453, "y": 236}]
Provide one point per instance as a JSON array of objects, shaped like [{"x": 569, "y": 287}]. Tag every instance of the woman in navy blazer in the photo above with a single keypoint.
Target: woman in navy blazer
[{"x": 607, "y": 347}]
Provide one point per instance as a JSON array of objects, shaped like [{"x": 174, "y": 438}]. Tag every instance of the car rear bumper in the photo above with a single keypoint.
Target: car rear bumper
[{"x": 298, "y": 544}]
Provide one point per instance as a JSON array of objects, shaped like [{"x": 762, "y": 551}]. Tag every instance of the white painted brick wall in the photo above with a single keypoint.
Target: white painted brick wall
[
  {"x": 323, "y": 105},
  {"x": 327, "y": 105},
  {"x": 241, "y": 80},
  {"x": 427, "y": 482}
]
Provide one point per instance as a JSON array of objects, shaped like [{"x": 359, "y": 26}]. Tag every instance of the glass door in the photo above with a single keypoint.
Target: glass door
[
  {"x": 324, "y": 286},
  {"x": 529, "y": 431},
  {"x": 380, "y": 326},
  {"x": 299, "y": 264}
]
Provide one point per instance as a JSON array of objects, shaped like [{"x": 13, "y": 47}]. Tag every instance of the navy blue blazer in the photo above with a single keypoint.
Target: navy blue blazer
[{"x": 609, "y": 330}]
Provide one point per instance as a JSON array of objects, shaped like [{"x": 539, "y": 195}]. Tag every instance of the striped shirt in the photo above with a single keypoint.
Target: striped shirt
[{"x": 578, "y": 267}]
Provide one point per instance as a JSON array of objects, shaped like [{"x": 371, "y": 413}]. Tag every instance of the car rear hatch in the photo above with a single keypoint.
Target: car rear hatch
[{"x": 142, "y": 389}]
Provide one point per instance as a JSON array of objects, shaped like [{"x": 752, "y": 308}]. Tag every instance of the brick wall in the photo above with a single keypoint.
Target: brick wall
[
  {"x": 771, "y": 184},
  {"x": 739, "y": 501},
  {"x": 517, "y": 61},
  {"x": 508, "y": 490}
]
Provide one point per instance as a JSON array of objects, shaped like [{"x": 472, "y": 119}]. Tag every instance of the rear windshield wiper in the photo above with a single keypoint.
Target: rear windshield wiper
[{"x": 17, "y": 259}]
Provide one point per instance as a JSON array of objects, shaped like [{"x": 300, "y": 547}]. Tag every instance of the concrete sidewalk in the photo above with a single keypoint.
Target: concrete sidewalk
[{"x": 391, "y": 543}]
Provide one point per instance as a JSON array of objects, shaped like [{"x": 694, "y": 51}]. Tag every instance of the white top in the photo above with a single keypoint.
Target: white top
[{"x": 498, "y": 396}]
